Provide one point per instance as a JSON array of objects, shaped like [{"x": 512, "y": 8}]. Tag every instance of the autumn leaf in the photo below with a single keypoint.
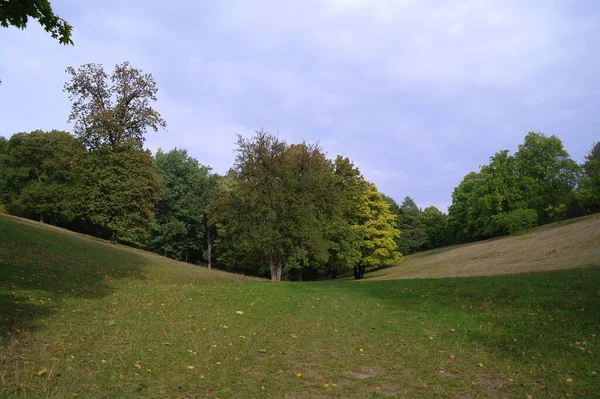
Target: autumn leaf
[
  {"x": 42, "y": 372},
  {"x": 481, "y": 365},
  {"x": 239, "y": 312},
  {"x": 298, "y": 375}
]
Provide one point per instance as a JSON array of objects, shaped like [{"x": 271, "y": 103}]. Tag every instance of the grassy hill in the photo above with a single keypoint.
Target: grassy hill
[
  {"x": 83, "y": 318},
  {"x": 570, "y": 244}
]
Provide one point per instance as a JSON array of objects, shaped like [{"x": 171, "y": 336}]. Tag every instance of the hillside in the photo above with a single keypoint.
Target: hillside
[
  {"x": 570, "y": 244},
  {"x": 83, "y": 318}
]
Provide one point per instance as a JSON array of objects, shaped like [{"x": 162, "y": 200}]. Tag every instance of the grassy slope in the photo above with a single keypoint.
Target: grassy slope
[
  {"x": 571, "y": 244},
  {"x": 97, "y": 320}
]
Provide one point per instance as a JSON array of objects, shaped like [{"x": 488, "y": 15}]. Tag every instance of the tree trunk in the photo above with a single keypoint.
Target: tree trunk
[
  {"x": 299, "y": 275},
  {"x": 209, "y": 253},
  {"x": 272, "y": 267},
  {"x": 41, "y": 218},
  {"x": 359, "y": 272},
  {"x": 279, "y": 269},
  {"x": 113, "y": 237}
]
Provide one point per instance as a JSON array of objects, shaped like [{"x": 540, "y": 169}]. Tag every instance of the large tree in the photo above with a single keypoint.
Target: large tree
[
  {"x": 547, "y": 174},
  {"x": 589, "y": 185},
  {"x": 18, "y": 12},
  {"x": 118, "y": 191},
  {"x": 112, "y": 110},
  {"x": 38, "y": 171},
  {"x": 434, "y": 224},
  {"x": 277, "y": 205}
]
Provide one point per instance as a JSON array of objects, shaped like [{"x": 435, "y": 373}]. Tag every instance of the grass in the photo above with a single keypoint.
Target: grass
[
  {"x": 80, "y": 317},
  {"x": 570, "y": 244}
]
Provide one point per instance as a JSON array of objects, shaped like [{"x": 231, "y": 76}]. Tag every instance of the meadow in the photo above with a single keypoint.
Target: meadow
[{"x": 80, "y": 317}]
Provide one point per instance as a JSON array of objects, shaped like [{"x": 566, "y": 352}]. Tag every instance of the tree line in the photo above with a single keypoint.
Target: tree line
[{"x": 283, "y": 210}]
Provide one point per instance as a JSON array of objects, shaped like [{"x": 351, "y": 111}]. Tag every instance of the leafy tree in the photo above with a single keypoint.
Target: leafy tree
[
  {"x": 110, "y": 110},
  {"x": 462, "y": 222},
  {"x": 547, "y": 174},
  {"x": 589, "y": 185},
  {"x": 118, "y": 191},
  {"x": 178, "y": 229},
  {"x": 434, "y": 224},
  {"x": 409, "y": 223},
  {"x": 277, "y": 205},
  {"x": 18, "y": 12},
  {"x": 38, "y": 171},
  {"x": 377, "y": 229},
  {"x": 342, "y": 231}
]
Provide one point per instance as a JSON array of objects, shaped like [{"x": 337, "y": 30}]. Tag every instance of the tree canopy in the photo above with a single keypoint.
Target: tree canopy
[{"x": 18, "y": 12}]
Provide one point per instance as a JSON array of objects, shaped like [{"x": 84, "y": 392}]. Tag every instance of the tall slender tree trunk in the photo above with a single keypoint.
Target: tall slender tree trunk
[
  {"x": 209, "y": 252},
  {"x": 279, "y": 269},
  {"x": 299, "y": 275},
  {"x": 113, "y": 237},
  {"x": 41, "y": 218},
  {"x": 272, "y": 267}
]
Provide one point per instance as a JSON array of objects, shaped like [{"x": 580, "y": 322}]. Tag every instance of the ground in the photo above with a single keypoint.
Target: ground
[{"x": 83, "y": 318}]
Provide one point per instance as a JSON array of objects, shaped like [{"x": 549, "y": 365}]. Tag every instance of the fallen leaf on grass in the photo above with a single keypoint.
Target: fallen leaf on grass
[
  {"x": 137, "y": 366},
  {"x": 326, "y": 385},
  {"x": 481, "y": 365},
  {"x": 42, "y": 372},
  {"x": 190, "y": 367},
  {"x": 569, "y": 380},
  {"x": 56, "y": 348},
  {"x": 298, "y": 375},
  {"x": 111, "y": 323},
  {"x": 239, "y": 312}
]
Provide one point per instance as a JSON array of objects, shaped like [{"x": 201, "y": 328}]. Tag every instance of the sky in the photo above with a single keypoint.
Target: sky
[{"x": 417, "y": 93}]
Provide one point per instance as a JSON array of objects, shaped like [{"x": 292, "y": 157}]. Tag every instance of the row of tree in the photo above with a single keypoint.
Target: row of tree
[
  {"x": 537, "y": 185},
  {"x": 283, "y": 210}
]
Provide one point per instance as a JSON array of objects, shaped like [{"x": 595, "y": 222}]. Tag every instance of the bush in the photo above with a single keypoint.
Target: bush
[
  {"x": 517, "y": 221},
  {"x": 3, "y": 210}
]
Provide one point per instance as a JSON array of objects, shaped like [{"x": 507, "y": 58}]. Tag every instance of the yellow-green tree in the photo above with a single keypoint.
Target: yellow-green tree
[{"x": 376, "y": 226}]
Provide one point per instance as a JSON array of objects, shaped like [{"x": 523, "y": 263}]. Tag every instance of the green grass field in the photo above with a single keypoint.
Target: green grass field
[{"x": 82, "y": 318}]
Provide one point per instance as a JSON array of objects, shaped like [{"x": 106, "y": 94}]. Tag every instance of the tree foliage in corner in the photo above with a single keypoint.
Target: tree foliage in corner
[
  {"x": 112, "y": 110},
  {"x": 18, "y": 12},
  {"x": 589, "y": 185}
]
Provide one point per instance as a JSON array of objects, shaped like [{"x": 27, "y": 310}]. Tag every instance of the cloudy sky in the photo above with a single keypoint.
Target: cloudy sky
[{"x": 416, "y": 92}]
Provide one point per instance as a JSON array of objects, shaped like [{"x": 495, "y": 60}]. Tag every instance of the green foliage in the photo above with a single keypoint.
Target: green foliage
[
  {"x": 38, "y": 174},
  {"x": 409, "y": 221},
  {"x": 118, "y": 191},
  {"x": 515, "y": 222},
  {"x": 112, "y": 110},
  {"x": 377, "y": 228},
  {"x": 178, "y": 229},
  {"x": 434, "y": 224},
  {"x": 546, "y": 172},
  {"x": 18, "y": 12},
  {"x": 589, "y": 185}
]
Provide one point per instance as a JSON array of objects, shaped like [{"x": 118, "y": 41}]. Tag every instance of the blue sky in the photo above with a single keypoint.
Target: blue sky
[{"x": 417, "y": 93}]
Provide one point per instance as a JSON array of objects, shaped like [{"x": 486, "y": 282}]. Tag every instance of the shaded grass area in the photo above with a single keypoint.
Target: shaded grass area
[{"x": 109, "y": 322}]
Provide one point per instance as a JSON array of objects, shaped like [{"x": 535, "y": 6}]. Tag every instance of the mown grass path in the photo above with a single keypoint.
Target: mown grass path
[{"x": 81, "y": 318}]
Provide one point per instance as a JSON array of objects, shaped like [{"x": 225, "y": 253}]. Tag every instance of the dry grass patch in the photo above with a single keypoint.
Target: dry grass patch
[{"x": 566, "y": 245}]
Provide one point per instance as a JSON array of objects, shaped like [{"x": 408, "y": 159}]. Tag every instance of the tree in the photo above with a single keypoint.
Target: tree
[
  {"x": 377, "y": 229},
  {"x": 38, "y": 171},
  {"x": 18, "y": 12},
  {"x": 434, "y": 225},
  {"x": 112, "y": 110},
  {"x": 118, "y": 191},
  {"x": 589, "y": 185},
  {"x": 409, "y": 223},
  {"x": 178, "y": 230},
  {"x": 462, "y": 224},
  {"x": 547, "y": 174}
]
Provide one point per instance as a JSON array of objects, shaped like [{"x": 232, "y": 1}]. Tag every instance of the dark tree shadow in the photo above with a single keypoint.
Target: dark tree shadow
[{"x": 40, "y": 266}]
